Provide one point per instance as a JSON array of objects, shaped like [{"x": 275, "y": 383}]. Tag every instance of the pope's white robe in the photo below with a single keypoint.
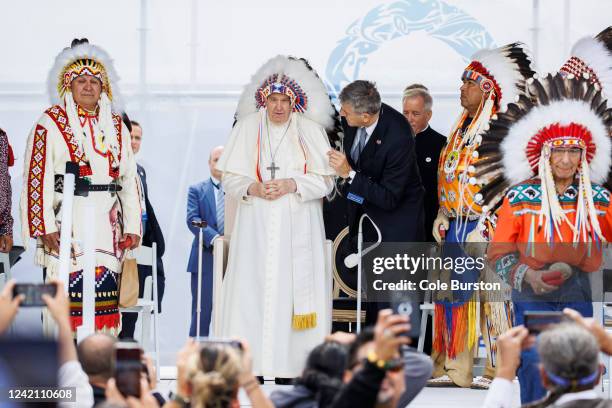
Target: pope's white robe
[{"x": 269, "y": 238}]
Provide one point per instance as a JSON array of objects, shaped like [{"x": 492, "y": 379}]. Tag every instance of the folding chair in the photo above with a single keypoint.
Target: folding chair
[
  {"x": 147, "y": 305},
  {"x": 6, "y": 269},
  {"x": 6, "y": 265}
]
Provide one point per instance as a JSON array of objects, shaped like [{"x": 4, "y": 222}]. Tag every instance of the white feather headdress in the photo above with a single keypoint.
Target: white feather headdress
[
  {"x": 592, "y": 60},
  {"x": 82, "y": 58},
  {"x": 304, "y": 84}
]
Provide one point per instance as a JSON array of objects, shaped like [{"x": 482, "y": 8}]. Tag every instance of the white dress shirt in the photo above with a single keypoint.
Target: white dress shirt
[
  {"x": 500, "y": 390},
  {"x": 369, "y": 130}
]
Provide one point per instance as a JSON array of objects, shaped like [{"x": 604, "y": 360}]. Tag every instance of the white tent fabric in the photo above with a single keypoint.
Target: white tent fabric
[{"x": 184, "y": 117}]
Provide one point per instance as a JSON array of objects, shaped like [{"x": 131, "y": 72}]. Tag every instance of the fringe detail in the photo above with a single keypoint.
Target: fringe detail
[
  {"x": 453, "y": 323},
  {"x": 471, "y": 328},
  {"x": 587, "y": 223},
  {"x": 439, "y": 325},
  {"x": 110, "y": 324},
  {"x": 303, "y": 322},
  {"x": 459, "y": 329},
  {"x": 586, "y": 227},
  {"x": 52, "y": 263},
  {"x": 102, "y": 323},
  {"x": 40, "y": 259},
  {"x": 551, "y": 213},
  {"x": 500, "y": 317}
]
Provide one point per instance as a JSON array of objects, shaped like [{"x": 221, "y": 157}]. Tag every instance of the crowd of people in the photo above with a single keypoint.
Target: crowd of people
[{"x": 525, "y": 169}]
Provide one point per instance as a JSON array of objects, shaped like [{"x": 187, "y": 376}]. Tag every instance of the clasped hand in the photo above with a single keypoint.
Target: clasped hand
[{"x": 273, "y": 189}]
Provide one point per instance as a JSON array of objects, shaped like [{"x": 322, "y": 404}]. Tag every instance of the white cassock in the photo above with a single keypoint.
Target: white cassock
[{"x": 276, "y": 277}]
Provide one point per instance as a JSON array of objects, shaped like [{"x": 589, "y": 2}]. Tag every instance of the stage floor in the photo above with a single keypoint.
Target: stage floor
[{"x": 429, "y": 397}]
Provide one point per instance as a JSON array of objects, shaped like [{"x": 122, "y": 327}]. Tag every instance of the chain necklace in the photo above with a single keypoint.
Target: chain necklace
[{"x": 272, "y": 166}]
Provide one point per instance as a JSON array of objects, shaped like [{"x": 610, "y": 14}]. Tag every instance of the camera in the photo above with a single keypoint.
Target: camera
[
  {"x": 221, "y": 342},
  {"x": 537, "y": 322},
  {"x": 33, "y": 292}
]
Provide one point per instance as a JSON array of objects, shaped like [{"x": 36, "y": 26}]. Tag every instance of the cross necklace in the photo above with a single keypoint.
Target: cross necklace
[{"x": 272, "y": 168}]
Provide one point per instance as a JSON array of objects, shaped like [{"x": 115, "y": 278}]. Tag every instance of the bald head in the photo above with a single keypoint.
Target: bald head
[
  {"x": 95, "y": 355},
  {"x": 215, "y": 153}
]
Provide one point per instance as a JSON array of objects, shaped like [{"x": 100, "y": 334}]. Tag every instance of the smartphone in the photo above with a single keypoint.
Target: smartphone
[
  {"x": 127, "y": 368},
  {"x": 223, "y": 342},
  {"x": 33, "y": 293},
  {"x": 408, "y": 307},
  {"x": 537, "y": 322}
]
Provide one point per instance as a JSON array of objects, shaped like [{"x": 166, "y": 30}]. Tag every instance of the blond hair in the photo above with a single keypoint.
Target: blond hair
[{"x": 213, "y": 374}]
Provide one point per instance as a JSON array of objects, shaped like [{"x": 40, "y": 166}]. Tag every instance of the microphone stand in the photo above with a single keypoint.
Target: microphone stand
[
  {"x": 360, "y": 253},
  {"x": 200, "y": 225}
]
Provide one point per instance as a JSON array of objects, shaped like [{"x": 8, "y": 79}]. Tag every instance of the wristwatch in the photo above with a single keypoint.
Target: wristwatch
[{"x": 180, "y": 400}]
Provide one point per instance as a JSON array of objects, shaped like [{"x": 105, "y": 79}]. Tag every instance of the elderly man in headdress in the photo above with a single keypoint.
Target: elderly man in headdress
[
  {"x": 82, "y": 127},
  {"x": 276, "y": 292},
  {"x": 553, "y": 151}
]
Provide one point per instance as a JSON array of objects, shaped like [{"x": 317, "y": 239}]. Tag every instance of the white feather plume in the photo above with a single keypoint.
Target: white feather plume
[
  {"x": 71, "y": 54},
  {"x": 564, "y": 112},
  {"x": 594, "y": 54},
  {"x": 505, "y": 72},
  {"x": 319, "y": 107}
]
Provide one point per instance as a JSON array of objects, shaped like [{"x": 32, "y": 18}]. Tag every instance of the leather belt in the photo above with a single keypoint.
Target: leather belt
[{"x": 83, "y": 187}]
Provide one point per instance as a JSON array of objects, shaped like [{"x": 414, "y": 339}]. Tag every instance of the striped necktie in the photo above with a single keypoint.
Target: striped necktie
[
  {"x": 220, "y": 194},
  {"x": 361, "y": 137}
]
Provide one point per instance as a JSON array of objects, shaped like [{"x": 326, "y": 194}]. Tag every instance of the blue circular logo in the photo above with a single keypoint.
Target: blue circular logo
[{"x": 387, "y": 22}]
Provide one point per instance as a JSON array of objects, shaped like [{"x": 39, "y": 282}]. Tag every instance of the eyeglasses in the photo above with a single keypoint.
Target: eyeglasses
[{"x": 572, "y": 151}]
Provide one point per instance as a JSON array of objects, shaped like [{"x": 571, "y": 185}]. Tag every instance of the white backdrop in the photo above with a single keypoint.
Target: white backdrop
[{"x": 198, "y": 54}]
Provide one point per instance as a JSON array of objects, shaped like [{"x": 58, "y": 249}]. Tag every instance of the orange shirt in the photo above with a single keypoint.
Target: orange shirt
[{"x": 517, "y": 229}]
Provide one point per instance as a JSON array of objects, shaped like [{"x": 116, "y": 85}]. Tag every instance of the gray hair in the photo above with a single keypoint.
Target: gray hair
[
  {"x": 418, "y": 90},
  {"x": 568, "y": 351},
  {"x": 362, "y": 96}
]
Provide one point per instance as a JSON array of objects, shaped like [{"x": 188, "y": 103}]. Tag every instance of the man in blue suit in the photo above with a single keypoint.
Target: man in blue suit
[{"x": 206, "y": 202}]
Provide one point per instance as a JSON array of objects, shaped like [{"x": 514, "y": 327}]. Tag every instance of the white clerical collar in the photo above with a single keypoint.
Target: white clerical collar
[
  {"x": 581, "y": 395},
  {"x": 426, "y": 127},
  {"x": 370, "y": 129}
]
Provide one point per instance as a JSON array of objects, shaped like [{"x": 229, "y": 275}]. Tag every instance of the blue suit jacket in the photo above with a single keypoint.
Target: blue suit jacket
[{"x": 201, "y": 206}]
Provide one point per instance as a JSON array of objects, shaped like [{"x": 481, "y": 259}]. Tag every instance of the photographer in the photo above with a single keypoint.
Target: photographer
[
  {"x": 320, "y": 381},
  {"x": 569, "y": 369},
  {"x": 70, "y": 373},
  {"x": 95, "y": 354},
  {"x": 375, "y": 371},
  {"x": 210, "y": 375}
]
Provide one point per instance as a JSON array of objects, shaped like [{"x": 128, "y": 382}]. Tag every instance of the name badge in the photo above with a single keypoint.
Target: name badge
[{"x": 355, "y": 198}]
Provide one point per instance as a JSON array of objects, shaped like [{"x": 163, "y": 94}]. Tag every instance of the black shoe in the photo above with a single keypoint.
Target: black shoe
[
  {"x": 283, "y": 381},
  {"x": 260, "y": 379}
]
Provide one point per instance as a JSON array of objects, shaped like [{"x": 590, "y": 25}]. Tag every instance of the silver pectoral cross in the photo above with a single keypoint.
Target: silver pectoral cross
[{"x": 272, "y": 169}]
